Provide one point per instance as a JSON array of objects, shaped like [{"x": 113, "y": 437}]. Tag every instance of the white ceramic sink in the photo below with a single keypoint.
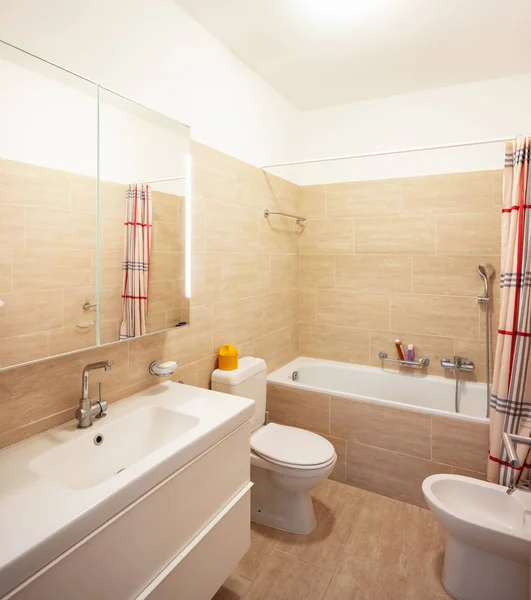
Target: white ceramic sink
[
  {"x": 93, "y": 457},
  {"x": 59, "y": 486}
]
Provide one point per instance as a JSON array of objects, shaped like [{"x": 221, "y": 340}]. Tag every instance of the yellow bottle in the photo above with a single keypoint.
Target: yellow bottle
[{"x": 227, "y": 358}]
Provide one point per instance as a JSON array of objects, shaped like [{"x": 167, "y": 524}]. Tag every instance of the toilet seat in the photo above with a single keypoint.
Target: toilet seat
[{"x": 292, "y": 447}]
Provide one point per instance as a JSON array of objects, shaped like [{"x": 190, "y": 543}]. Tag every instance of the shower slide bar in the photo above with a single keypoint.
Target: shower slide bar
[
  {"x": 388, "y": 152},
  {"x": 421, "y": 363},
  {"x": 299, "y": 220}
]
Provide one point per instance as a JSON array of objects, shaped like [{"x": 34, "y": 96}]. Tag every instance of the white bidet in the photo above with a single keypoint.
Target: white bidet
[{"x": 488, "y": 544}]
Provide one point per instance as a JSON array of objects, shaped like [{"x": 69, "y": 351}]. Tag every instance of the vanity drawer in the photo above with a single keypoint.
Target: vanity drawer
[
  {"x": 201, "y": 568},
  {"x": 120, "y": 558}
]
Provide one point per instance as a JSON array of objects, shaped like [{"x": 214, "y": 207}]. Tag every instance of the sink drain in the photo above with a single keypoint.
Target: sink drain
[{"x": 98, "y": 439}]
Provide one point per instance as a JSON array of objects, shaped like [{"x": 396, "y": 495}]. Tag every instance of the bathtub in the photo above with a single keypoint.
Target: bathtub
[{"x": 409, "y": 390}]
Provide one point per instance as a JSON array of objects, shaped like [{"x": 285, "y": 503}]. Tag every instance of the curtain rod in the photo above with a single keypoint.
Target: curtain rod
[
  {"x": 161, "y": 180},
  {"x": 386, "y": 152}
]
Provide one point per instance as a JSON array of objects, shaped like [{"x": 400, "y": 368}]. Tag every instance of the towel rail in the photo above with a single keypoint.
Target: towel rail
[{"x": 299, "y": 220}]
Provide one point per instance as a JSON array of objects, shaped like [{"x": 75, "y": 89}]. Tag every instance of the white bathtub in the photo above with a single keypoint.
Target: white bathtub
[{"x": 410, "y": 390}]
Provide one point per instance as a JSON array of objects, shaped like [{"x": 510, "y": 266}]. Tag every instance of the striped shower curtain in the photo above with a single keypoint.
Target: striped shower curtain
[
  {"x": 136, "y": 263},
  {"x": 511, "y": 387}
]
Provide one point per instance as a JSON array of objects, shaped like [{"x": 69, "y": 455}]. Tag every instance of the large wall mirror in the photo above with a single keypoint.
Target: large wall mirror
[{"x": 94, "y": 214}]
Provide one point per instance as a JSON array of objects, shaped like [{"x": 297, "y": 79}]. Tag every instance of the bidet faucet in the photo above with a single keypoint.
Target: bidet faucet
[
  {"x": 508, "y": 439},
  {"x": 88, "y": 409}
]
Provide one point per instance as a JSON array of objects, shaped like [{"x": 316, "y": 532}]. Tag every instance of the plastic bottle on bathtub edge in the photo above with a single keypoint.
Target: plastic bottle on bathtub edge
[
  {"x": 399, "y": 350},
  {"x": 410, "y": 353}
]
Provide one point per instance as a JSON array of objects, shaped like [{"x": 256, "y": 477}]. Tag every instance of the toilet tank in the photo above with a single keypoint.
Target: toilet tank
[{"x": 248, "y": 380}]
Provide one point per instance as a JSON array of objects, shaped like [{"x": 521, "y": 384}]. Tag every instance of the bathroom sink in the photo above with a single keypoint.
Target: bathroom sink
[
  {"x": 98, "y": 454},
  {"x": 59, "y": 486}
]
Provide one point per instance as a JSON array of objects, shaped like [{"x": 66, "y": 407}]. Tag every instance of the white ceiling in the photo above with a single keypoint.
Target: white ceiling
[{"x": 320, "y": 53}]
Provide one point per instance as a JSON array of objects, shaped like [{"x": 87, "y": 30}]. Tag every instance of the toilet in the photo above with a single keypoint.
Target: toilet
[
  {"x": 286, "y": 462},
  {"x": 488, "y": 541}
]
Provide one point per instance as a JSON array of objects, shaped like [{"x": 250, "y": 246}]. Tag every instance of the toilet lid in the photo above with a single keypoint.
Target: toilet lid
[{"x": 291, "y": 445}]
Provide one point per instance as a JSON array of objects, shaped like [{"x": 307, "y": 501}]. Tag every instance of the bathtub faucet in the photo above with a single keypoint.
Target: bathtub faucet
[
  {"x": 459, "y": 364},
  {"x": 508, "y": 439}
]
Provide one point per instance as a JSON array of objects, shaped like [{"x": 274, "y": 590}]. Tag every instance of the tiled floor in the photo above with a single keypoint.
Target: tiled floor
[{"x": 365, "y": 547}]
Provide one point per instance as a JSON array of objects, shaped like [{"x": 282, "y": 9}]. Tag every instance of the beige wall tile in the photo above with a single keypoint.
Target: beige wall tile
[
  {"x": 312, "y": 199},
  {"x": 166, "y": 265},
  {"x": 111, "y": 269},
  {"x": 12, "y": 226},
  {"x": 206, "y": 278},
  {"x": 198, "y": 224},
  {"x": 394, "y": 429},
  {"x": 73, "y": 300},
  {"x": 237, "y": 321},
  {"x": 451, "y": 275},
  {"x": 334, "y": 343},
  {"x": 366, "y": 310},
  {"x": 5, "y": 271},
  {"x": 469, "y": 234},
  {"x": 298, "y": 408},
  {"x": 431, "y": 346},
  {"x": 280, "y": 311},
  {"x": 23, "y": 348},
  {"x": 497, "y": 189},
  {"x": 204, "y": 370},
  {"x": 214, "y": 186},
  {"x": 111, "y": 302},
  {"x": 27, "y": 312},
  {"x": 167, "y": 235},
  {"x": 394, "y": 235},
  {"x": 187, "y": 374},
  {"x": 245, "y": 275},
  {"x": 59, "y": 229},
  {"x": 230, "y": 227},
  {"x": 167, "y": 207},
  {"x": 41, "y": 389},
  {"x": 308, "y": 306},
  {"x": 284, "y": 272},
  {"x": 317, "y": 271},
  {"x": 460, "y": 443},
  {"x": 374, "y": 273},
  {"x": 274, "y": 348},
  {"x": 156, "y": 321},
  {"x": 112, "y": 232},
  {"x": 363, "y": 198},
  {"x": 160, "y": 296},
  {"x": 327, "y": 236},
  {"x": 389, "y": 473},
  {"x": 110, "y": 331},
  {"x": 193, "y": 342},
  {"x": 435, "y": 315},
  {"x": 468, "y": 473},
  {"x": 73, "y": 338},
  {"x": 30, "y": 185},
  {"x": 48, "y": 269},
  {"x": 34, "y": 428},
  {"x": 278, "y": 234},
  {"x": 449, "y": 193}
]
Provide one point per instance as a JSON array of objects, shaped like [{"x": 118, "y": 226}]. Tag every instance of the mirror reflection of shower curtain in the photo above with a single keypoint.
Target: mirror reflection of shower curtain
[
  {"x": 511, "y": 386},
  {"x": 137, "y": 259}
]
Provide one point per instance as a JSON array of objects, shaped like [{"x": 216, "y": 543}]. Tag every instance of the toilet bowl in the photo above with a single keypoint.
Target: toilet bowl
[
  {"x": 286, "y": 462},
  {"x": 488, "y": 543}
]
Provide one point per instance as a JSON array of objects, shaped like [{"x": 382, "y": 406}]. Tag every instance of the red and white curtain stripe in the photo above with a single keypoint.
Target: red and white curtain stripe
[
  {"x": 137, "y": 259},
  {"x": 511, "y": 387}
]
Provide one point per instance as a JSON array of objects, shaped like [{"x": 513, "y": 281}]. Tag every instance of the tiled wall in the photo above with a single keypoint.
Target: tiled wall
[
  {"x": 398, "y": 258},
  {"x": 48, "y": 261},
  {"x": 244, "y": 291},
  {"x": 386, "y": 450}
]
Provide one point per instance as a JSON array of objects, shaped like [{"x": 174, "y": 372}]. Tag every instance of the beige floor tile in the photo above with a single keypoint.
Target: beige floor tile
[
  {"x": 263, "y": 541},
  {"x": 234, "y": 588},
  {"x": 285, "y": 577}
]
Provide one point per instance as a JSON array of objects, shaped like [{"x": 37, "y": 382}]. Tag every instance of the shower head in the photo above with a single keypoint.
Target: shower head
[{"x": 486, "y": 270}]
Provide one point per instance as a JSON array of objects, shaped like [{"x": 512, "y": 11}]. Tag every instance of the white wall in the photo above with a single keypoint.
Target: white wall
[
  {"x": 488, "y": 109},
  {"x": 155, "y": 53}
]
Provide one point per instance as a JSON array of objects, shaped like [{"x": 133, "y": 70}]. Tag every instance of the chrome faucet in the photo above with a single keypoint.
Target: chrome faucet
[
  {"x": 459, "y": 364},
  {"x": 88, "y": 409},
  {"x": 508, "y": 439}
]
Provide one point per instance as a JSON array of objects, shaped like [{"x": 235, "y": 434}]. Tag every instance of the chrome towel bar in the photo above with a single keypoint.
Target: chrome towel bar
[
  {"x": 421, "y": 363},
  {"x": 299, "y": 220}
]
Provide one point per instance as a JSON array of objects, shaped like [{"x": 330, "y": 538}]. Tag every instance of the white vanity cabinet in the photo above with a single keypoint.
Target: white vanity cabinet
[{"x": 178, "y": 541}]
